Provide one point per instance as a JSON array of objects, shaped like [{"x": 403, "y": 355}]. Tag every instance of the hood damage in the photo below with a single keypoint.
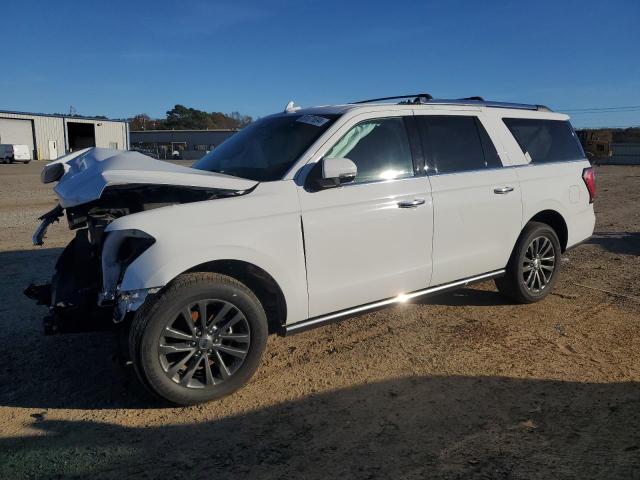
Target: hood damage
[
  {"x": 88, "y": 172},
  {"x": 95, "y": 187}
]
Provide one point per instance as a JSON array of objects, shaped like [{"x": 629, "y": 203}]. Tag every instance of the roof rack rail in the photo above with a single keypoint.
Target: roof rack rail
[
  {"x": 419, "y": 98},
  {"x": 425, "y": 98}
]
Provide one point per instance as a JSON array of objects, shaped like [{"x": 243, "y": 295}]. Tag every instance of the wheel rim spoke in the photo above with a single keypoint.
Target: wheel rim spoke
[
  {"x": 175, "y": 348},
  {"x": 204, "y": 350},
  {"x": 222, "y": 313},
  {"x": 180, "y": 364},
  {"x": 224, "y": 370},
  {"x": 188, "y": 318},
  {"x": 202, "y": 314},
  {"x": 188, "y": 375},
  {"x": 237, "y": 317},
  {"x": 236, "y": 337},
  {"x": 173, "y": 333},
  {"x": 210, "y": 380},
  {"x": 236, "y": 352}
]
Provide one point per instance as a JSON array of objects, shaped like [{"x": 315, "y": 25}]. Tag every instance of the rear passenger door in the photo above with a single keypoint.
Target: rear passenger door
[{"x": 477, "y": 201}]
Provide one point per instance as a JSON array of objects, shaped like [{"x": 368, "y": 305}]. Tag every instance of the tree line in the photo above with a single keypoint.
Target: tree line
[{"x": 185, "y": 118}]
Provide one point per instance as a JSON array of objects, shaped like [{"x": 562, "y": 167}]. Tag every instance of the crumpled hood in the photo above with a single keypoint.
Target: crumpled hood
[{"x": 88, "y": 172}]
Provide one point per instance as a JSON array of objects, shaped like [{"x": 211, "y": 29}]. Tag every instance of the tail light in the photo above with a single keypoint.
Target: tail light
[{"x": 589, "y": 177}]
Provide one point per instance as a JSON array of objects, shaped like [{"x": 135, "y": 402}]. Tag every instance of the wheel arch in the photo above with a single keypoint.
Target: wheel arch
[
  {"x": 556, "y": 221},
  {"x": 259, "y": 281}
]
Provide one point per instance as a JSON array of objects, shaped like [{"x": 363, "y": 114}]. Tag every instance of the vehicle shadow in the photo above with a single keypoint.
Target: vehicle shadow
[
  {"x": 627, "y": 243},
  {"x": 466, "y": 296},
  {"x": 413, "y": 427},
  {"x": 56, "y": 366},
  {"x": 51, "y": 371}
]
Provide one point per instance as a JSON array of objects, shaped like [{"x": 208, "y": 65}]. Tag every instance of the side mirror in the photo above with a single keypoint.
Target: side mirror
[
  {"x": 52, "y": 172},
  {"x": 338, "y": 171}
]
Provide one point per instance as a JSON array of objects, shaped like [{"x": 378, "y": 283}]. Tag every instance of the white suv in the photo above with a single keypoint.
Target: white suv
[{"x": 307, "y": 217}]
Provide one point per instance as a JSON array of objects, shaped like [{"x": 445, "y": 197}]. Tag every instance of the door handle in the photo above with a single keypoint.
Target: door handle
[
  {"x": 502, "y": 190},
  {"x": 411, "y": 203}
]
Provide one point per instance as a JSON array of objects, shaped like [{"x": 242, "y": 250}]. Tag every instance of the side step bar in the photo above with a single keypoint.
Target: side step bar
[{"x": 343, "y": 314}]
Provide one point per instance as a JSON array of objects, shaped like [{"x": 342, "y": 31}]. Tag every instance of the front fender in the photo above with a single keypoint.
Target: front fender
[{"x": 261, "y": 228}]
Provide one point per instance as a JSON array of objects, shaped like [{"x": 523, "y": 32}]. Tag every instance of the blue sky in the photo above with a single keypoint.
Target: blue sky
[{"x": 119, "y": 58}]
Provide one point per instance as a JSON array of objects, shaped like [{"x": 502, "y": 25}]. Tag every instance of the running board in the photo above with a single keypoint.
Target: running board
[{"x": 343, "y": 314}]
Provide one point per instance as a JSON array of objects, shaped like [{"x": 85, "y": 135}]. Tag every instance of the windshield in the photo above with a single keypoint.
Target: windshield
[{"x": 265, "y": 150}]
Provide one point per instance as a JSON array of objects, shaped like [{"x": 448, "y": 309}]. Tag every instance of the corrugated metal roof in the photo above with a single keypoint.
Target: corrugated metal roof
[
  {"x": 189, "y": 130},
  {"x": 63, "y": 116}
]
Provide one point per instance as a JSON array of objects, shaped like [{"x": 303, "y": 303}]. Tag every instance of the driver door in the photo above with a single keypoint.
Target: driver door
[{"x": 371, "y": 239}]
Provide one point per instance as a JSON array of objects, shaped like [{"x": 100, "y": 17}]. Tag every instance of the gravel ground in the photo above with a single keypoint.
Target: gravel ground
[{"x": 465, "y": 385}]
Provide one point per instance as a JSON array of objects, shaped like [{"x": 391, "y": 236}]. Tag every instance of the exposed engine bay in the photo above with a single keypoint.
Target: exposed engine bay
[{"x": 84, "y": 291}]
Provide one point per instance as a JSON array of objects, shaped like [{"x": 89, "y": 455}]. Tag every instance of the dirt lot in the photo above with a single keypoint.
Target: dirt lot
[{"x": 465, "y": 385}]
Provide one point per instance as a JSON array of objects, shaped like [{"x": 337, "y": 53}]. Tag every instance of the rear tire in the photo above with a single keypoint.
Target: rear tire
[
  {"x": 186, "y": 361},
  {"x": 534, "y": 265}
]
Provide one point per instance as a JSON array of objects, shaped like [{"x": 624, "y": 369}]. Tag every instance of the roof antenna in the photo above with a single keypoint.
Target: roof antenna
[{"x": 291, "y": 107}]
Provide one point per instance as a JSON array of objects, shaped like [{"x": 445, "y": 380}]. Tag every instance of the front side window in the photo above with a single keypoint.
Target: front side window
[
  {"x": 544, "y": 141},
  {"x": 456, "y": 144},
  {"x": 266, "y": 149},
  {"x": 379, "y": 148}
]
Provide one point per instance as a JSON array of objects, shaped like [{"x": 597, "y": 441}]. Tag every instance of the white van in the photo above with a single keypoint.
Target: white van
[{"x": 15, "y": 153}]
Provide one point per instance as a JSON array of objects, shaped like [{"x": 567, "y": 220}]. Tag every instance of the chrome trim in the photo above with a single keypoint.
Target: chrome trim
[
  {"x": 318, "y": 321},
  {"x": 544, "y": 164},
  {"x": 411, "y": 203}
]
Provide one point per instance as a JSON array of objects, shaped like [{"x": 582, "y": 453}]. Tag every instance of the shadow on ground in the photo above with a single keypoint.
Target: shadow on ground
[
  {"x": 627, "y": 243},
  {"x": 416, "y": 427},
  {"x": 85, "y": 370},
  {"x": 468, "y": 297},
  {"x": 59, "y": 371}
]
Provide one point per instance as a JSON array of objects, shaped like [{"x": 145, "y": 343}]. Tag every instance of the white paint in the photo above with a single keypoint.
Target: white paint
[{"x": 90, "y": 171}]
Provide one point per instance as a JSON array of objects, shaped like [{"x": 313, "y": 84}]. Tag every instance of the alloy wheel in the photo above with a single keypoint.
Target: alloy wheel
[
  {"x": 538, "y": 264},
  {"x": 204, "y": 344}
]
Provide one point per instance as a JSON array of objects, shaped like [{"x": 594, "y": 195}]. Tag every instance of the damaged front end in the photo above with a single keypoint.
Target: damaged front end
[{"x": 84, "y": 293}]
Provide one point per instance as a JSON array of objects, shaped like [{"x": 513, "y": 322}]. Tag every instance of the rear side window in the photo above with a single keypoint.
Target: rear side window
[
  {"x": 545, "y": 141},
  {"x": 456, "y": 144}
]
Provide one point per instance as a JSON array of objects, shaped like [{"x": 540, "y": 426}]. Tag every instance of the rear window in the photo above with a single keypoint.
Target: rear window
[{"x": 545, "y": 141}]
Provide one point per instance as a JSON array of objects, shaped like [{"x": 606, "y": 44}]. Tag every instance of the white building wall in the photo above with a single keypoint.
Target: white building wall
[
  {"x": 54, "y": 128},
  {"x": 46, "y": 128}
]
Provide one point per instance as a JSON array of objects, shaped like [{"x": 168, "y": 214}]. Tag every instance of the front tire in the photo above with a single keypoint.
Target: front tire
[
  {"x": 534, "y": 265},
  {"x": 199, "y": 340}
]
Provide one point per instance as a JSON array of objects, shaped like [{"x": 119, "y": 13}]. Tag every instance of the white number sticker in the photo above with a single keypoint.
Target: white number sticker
[{"x": 313, "y": 120}]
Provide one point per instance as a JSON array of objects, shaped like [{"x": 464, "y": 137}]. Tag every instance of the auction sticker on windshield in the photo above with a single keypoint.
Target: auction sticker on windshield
[{"x": 313, "y": 120}]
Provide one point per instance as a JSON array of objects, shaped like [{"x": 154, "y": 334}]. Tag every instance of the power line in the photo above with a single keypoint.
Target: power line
[
  {"x": 600, "y": 112},
  {"x": 629, "y": 108}
]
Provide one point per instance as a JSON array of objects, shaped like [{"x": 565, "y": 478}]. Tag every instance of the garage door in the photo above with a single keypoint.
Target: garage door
[{"x": 17, "y": 132}]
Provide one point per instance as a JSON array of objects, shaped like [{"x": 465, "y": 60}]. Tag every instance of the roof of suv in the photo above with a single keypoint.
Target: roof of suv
[{"x": 417, "y": 101}]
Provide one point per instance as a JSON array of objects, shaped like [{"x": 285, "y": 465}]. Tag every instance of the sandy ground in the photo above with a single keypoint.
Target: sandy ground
[{"x": 465, "y": 385}]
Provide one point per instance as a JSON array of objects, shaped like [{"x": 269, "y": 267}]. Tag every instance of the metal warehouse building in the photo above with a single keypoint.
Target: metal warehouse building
[
  {"x": 51, "y": 136},
  {"x": 189, "y": 144}
]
